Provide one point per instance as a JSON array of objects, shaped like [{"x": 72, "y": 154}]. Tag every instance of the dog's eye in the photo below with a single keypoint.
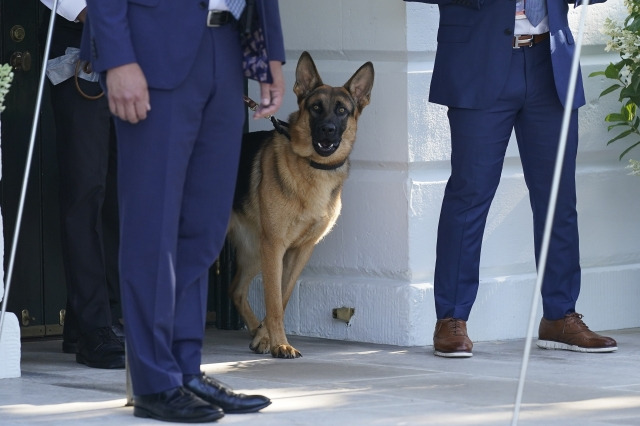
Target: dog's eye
[
  {"x": 342, "y": 110},
  {"x": 316, "y": 108}
]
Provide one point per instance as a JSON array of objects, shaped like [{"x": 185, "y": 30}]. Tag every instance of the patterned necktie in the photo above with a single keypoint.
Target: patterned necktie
[
  {"x": 535, "y": 10},
  {"x": 236, "y": 7}
]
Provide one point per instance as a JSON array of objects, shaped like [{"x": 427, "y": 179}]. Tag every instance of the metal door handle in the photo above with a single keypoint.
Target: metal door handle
[{"x": 21, "y": 60}]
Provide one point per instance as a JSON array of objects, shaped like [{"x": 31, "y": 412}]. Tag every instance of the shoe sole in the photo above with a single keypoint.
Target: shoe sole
[
  {"x": 106, "y": 365},
  {"x": 248, "y": 410},
  {"x": 453, "y": 354},
  {"x": 146, "y": 414},
  {"x": 550, "y": 344}
]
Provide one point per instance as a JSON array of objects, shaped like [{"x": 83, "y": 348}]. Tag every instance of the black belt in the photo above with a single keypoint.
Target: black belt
[
  {"x": 528, "y": 40},
  {"x": 218, "y": 18}
]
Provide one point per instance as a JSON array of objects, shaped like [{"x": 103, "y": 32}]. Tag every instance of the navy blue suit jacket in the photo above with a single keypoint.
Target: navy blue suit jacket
[
  {"x": 162, "y": 36},
  {"x": 475, "y": 47}
]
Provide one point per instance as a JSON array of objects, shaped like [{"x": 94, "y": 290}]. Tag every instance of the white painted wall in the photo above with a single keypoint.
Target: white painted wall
[{"x": 379, "y": 259}]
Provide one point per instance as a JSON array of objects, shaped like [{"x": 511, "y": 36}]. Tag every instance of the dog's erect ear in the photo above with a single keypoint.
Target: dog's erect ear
[
  {"x": 360, "y": 85},
  {"x": 307, "y": 77}
]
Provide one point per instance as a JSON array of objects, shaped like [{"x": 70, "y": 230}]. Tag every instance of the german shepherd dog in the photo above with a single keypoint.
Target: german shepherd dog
[{"x": 288, "y": 196}]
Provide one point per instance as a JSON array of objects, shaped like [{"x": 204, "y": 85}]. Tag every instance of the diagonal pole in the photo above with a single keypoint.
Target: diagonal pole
[
  {"x": 544, "y": 250},
  {"x": 25, "y": 179}
]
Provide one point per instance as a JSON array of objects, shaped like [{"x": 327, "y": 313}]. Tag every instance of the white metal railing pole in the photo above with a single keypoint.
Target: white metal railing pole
[{"x": 544, "y": 249}]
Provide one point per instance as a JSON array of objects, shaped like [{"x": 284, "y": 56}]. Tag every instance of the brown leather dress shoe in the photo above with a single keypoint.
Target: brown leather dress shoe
[
  {"x": 450, "y": 339},
  {"x": 572, "y": 334}
]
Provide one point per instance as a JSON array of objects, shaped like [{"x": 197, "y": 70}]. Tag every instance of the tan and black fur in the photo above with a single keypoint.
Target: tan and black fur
[{"x": 288, "y": 196}]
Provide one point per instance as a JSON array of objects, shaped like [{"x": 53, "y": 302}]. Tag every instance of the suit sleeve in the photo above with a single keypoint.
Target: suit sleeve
[
  {"x": 273, "y": 30},
  {"x": 109, "y": 38}
]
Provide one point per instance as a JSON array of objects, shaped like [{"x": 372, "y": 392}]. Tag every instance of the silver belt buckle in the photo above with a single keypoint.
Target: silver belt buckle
[
  {"x": 518, "y": 43},
  {"x": 209, "y": 15}
]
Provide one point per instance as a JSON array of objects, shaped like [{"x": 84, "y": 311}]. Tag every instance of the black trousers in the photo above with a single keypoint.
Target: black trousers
[{"x": 86, "y": 149}]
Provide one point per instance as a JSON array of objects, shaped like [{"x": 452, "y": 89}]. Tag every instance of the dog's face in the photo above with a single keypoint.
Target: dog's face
[{"x": 326, "y": 121}]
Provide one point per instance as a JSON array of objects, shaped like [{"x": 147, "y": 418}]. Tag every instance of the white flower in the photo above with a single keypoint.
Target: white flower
[{"x": 6, "y": 76}]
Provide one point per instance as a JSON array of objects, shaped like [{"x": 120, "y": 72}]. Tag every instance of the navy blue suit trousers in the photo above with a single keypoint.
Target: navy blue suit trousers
[
  {"x": 177, "y": 172},
  {"x": 528, "y": 103}
]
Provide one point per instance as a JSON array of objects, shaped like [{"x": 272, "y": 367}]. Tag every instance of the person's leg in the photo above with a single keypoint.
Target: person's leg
[
  {"x": 538, "y": 129},
  {"x": 152, "y": 161},
  {"x": 110, "y": 232},
  {"x": 206, "y": 207},
  {"x": 208, "y": 190},
  {"x": 479, "y": 139},
  {"x": 82, "y": 136}
]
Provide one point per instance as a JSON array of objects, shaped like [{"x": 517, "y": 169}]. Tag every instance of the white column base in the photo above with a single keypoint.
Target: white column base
[
  {"x": 401, "y": 313},
  {"x": 10, "y": 347}
]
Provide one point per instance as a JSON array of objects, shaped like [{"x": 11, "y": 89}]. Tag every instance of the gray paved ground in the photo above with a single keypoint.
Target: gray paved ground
[{"x": 353, "y": 384}]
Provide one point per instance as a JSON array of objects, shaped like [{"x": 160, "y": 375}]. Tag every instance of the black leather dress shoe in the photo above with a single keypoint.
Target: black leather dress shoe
[
  {"x": 215, "y": 393},
  {"x": 176, "y": 405},
  {"x": 100, "y": 348},
  {"x": 118, "y": 330}
]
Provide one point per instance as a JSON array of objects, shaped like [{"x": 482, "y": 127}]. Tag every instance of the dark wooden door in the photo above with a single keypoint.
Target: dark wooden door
[{"x": 37, "y": 295}]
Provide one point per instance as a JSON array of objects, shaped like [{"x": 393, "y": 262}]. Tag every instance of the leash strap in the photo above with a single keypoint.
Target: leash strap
[{"x": 280, "y": 126}]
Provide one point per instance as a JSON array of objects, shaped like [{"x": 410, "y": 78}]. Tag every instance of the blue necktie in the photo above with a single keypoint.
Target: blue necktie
[
  {"x": 236, "y": 7},
  {"x": 535, "y": 10}
]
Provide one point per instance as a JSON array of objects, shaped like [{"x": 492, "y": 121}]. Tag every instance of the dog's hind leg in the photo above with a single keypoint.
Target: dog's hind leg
[{"x": 239, "y": 292}]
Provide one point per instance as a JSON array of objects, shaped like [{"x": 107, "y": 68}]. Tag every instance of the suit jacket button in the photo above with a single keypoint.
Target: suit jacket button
[
  {"x": 203, "y": 5},
  {"x": 508, "y": 31}
]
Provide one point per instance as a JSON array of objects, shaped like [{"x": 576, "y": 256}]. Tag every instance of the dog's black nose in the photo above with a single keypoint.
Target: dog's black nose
[{"x": 328, "y": 129}]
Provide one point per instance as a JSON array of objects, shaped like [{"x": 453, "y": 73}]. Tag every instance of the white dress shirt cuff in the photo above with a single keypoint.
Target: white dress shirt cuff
[{"x": 68, "y": 9}]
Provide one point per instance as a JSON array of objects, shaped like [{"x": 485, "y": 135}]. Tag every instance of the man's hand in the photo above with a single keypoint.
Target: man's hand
[
  {"x": 128, "y": 93},
  {"x": 271, "y": 94},
  {"x": 82, "y": 16}
]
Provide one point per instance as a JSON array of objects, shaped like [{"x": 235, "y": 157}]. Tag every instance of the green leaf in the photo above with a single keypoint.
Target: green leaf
[
  {"x": 635, "y": 79},
  {"x": 627, "y": 112},
  {"x": 628, "y": 92},
  {"x": 634, "y": 26},
  {"x": 624, "y": 62},
  {"x": 610, "y": 89},
  {"x": 596, "y": 73},
  {"x": 613, "y": 117},
  {"x": 613, "y": 71},
  {"x": 620, "y": 136},
  {"x": 616, "y": 125},
  {"x": 628, "y": 149}
]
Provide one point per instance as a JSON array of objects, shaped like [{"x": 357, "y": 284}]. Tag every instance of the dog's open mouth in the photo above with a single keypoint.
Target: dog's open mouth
[{"x": 325, "y": 147}]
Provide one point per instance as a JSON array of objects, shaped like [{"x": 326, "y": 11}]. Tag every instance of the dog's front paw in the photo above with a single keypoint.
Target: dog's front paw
[
  {"x": 261, "y": 343},
  {"x": 262, "y": 347},
  {"x": 285, "y": 351}
]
